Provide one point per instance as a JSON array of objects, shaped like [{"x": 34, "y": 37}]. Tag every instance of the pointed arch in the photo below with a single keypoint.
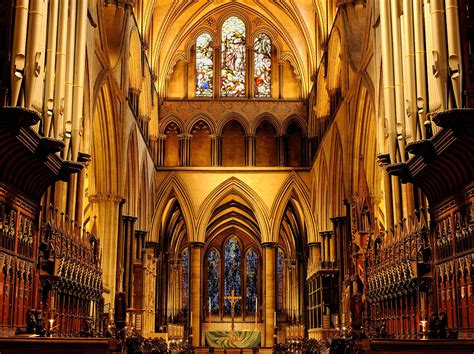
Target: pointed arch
[
  {"x": 203, "y": 117},
  {"x": 237, "y": 187},
  {"x": 172, "y": 187},
  {"x": 266, "y": 116},
  {"x": 132, "y": 175},
  {"x": 336, "y": 178},
  {"x": 293, "y": 187},
  {"x": 244, "y": 121},
  {"x": 294, "y": 118},
  {"x": 171, "y": 119}
]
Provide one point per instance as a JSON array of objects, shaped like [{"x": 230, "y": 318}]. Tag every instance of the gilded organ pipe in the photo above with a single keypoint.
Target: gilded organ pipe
[
  {"x": 78, "y": 94},
  {"x": 48, "y": 101},
  {"x": 19, "y": 49},
  {"x": 33, "y": 50},
  {"x": 454, "y": 48}
]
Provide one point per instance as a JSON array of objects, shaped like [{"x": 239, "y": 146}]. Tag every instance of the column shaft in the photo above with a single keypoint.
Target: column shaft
[{"x": 269, "y": 293}]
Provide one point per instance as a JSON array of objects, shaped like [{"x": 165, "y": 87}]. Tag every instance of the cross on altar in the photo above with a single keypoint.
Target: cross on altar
[{"x": 232, "y": 299}]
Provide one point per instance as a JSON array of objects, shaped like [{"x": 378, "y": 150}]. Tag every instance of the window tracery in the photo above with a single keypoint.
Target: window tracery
[
  {"x": 232, "y": 273},
  {"x": 262, "y": 65},
  {"x": 213, "y": 280},
  {"x": 233, "y": 66},
  {"x": 204, "y": 65}
]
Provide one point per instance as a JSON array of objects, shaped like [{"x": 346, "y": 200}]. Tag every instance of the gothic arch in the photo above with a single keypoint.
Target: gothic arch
[
  {"x": 105, "y": 136},
  {"x": 298, "y": 120},
  {"x": 233, "y": 116},
  {"x": 336, "y": 178},
  {"x": 235, "y": 186},
  {"x": 132, "y": 174},
  {"x": 265, "y": 117},
  {"x": 293, "y": 187},
  {"x": 172, "y": 187},
  {"x": 171, "y": 119},
  {"x": 205, "y": 118},
  {"x": 239, "y": 14},
  {"x": 135, "y": 62},
  {"x": 193, "y": 38}
]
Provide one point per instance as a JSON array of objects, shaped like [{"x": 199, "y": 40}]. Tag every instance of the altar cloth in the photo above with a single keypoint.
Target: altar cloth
[{"x": 235, "y": 339}]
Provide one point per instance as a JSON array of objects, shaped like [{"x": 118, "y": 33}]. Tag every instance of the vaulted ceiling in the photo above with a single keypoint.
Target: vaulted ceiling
[{"x": 301, "y": 24}]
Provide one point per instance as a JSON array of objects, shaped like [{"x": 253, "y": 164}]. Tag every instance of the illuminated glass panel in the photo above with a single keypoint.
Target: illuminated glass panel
[
  {"x": 232, "y": 273},
  {"x": 185, "y": 280},
  {"x": 251, "y": 273},
  {"x": 213, "y": 280},
  {"x": 262, "y": 65},
  {"x": 280, "y": 262},
  {"x": 233, "y": 58},
  {"x": 204, "y": 65}
]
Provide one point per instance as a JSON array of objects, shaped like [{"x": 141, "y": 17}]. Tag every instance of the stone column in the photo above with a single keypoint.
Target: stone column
[
  {"x": 216, "y": 150},
  {"x": 280, "y": 79},
  {"x": 250, "y": 81},
  {"x": 195, "y": 292},
  {"x": 269, "y": 298},
  {"x": 384, "y": 161},
  {"x": 322, "y": 235},
  {"x": 250, "y": 157},
  {"x": 80, "y": 192},
  {"x": 282, "y": 159},
  {"x": 107, "y": 210},
  {"x": 184, "y": 149}
]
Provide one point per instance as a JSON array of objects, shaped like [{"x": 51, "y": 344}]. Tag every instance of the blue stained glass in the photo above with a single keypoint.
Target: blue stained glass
[
  {"x": 262, "y": 65},
  {"x": 204, "y": 65},
  {"x": 233, "y": 58},
  {"x": 252, "y": 289},
  {"x": 232, "y": 273},
  {"x": 213, "y": 280},
  {"x": 185, "y": 279},
  {"x": 280, "y": 262}
]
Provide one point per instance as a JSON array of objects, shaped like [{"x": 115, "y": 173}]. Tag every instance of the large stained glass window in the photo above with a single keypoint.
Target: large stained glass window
[
  {"x": 232, "y": 273},
  {"x": 280, "y": 263},
  {"x": 185, "y": 280},
  {"x": 204, "y": 65},
  {"x": 233, "y": 58},
  {"x": 251, "y": 286},
  {"x": 262, "y": 65},
  {"x": 213, "y": 280}
]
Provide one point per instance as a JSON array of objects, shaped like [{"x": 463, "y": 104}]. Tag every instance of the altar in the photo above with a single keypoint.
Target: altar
[{"x": 233, "y": 339}]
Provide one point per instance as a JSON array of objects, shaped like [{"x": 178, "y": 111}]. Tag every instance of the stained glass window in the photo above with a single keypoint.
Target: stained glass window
[
  {"x": 204, "y": 65},
  {"x": 280, "y": 263},
  {"x": 262, "y": 65},
  {"x": 233, "y": 58},
  {"x": 185, "y": 279},
  {"x": 251, "y": 268},
  {"x": 232, "y": 273},
  {"x": 213, "y": 280}
]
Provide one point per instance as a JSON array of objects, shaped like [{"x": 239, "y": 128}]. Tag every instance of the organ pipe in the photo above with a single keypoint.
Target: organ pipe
[
  {"x": 438, "y": 28},
  {"x": 33, "y": 52},
  {"x": 60, "y": 71},
  {"x": 78, "y": 93},
  {"x": 69, "y": 76},
  {"x": 18, "y": 49},
  {"x": 420, "y": 64},
  {"x": 50, "y": 66},
  {"x": 454, "y": 48}
]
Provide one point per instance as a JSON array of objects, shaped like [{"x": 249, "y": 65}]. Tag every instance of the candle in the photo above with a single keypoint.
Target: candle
[
  {"x": 191, "y": 320},
  {"x": 209, "y": 306},
  {"x": 275, "y": 319},
  {"x": 256, "y": 305}
]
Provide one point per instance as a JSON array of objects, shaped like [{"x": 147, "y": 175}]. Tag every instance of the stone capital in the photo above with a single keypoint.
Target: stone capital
[
  {"x": 269, "y": 244},
  {"x": 196, "y": 244}
]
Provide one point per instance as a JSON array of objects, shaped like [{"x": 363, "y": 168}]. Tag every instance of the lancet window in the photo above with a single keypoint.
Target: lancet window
[
  {"x": 204, "y": 65},
  {"x": 213, "y": 280},
  {"x": 232, "y": 273},
  {"x": 262, "y": 65}
]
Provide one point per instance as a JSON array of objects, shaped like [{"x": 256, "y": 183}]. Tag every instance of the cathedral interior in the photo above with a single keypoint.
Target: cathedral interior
[{"x": 237, "y": 176}]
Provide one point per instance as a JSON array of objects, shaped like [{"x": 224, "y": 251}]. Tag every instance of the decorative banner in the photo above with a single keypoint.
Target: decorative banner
[{"x": 236, "y": 339}]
